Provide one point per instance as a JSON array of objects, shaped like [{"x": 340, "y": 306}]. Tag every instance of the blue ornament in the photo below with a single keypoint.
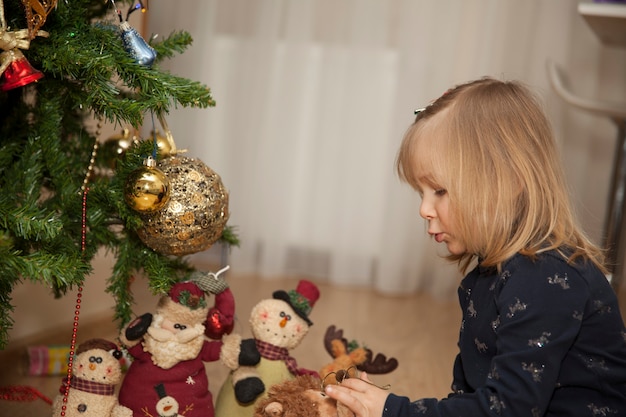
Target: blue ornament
[{"x": 136, "y": 46}]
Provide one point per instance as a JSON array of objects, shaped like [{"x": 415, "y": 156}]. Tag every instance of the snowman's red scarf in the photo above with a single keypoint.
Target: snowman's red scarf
[
  {"x": 88, "y": 386},
  {"x": 272, "y": 352}
]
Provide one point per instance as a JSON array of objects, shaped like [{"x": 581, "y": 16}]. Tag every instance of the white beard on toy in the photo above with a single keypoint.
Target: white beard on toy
[{"x": 167, "y": 348}]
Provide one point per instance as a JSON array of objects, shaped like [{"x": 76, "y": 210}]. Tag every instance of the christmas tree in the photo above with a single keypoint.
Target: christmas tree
[{"x": 65, "y": 192}]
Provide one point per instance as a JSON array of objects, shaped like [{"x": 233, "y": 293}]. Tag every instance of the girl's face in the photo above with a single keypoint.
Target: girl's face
[{"x": 435, "y": 206}]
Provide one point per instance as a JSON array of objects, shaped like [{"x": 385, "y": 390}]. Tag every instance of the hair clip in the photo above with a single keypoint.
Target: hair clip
[
  {"x": 418, "y": 111},
  {"x": 343, "y": 374}
]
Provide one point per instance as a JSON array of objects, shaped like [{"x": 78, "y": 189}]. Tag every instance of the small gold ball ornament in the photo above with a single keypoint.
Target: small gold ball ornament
[
  {"x": 116, "y": 146},
  {"x": 147, "y": 189},
  {"x": 196, "y": 213},
  {"x": 163, "y": 143}
]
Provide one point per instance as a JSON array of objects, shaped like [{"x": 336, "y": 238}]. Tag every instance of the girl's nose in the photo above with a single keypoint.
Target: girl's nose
[{"x": 427, "y": 210}]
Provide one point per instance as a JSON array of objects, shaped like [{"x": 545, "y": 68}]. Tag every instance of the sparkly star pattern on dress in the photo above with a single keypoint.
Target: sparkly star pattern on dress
[
  {"x": 495, "y": 404},
  {"x": 482, "y": 347},
  {"x": 601, "y": 411},
  {"x": 558, "y": 280},
  {"x": 534, "y": 370},
  {"x": 541, "y": 341},
  {"x": 471, "y": 311},
  {"x": 514, "y": 308}
]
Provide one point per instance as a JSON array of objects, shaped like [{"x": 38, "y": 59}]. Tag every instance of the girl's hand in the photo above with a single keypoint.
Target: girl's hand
[{"x": 360, "y": 395}]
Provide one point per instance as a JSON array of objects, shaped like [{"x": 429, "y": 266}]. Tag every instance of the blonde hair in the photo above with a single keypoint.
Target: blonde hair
[{"x": 493, "y": 150}]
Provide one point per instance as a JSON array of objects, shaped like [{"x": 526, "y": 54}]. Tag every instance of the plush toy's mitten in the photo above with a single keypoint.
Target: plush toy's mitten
[
  {"x": 249, "y": 354},
  {"x": 209, "y": 282},
  {"x": 237, "y": 352},
  {"x": 241, "y": 356},
  {"x": 134, "y": 331},
  {"x": 247, "y": 384}
]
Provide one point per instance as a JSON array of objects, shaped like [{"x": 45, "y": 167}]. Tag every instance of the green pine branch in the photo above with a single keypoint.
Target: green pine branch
[{"x": 46, "y": 143}]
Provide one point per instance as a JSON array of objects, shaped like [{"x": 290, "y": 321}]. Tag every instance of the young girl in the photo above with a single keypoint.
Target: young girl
[{"x": 542, "y": 333}]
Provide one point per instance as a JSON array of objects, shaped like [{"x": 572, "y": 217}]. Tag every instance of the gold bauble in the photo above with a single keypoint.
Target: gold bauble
[
  {"x": 196, "y": 213},
  {"x": 163, "y": 144},
  {"x": 147, "y": 189},
  {"x": 116, "y": 146}
]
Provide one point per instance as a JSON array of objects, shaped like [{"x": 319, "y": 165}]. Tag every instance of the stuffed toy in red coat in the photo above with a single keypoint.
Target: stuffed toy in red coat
[{"x": 169, "y": 349}]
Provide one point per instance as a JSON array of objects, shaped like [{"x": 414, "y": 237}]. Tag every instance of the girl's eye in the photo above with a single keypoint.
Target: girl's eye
[{"x": 441, "y": 192}]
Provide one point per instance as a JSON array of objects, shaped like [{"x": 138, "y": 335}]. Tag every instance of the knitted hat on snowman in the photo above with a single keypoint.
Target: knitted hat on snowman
[{"x": 302, "y": 299}]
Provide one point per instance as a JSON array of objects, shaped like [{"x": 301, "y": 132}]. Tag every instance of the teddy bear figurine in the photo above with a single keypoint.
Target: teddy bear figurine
[
  {"x": 169, "y": 349},
  {"x": 300, "y": 397},
  {"x": 96, "y": 371},
  {"x": 278, "y": 324}
]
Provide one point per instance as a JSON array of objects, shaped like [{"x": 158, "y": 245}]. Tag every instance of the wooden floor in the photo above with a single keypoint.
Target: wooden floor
[{"x": 417, "y": 330}]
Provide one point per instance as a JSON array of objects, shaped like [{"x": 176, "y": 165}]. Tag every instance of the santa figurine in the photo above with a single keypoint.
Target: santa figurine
[{"x": 170, "y": 347}]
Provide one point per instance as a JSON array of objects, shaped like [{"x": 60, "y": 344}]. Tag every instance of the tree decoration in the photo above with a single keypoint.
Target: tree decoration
[
  {"x": 164, "y": 146},
  {"x": 165, "y": 142},
  {"x": 147, "y": 188},
  {"x": 116, "y": 146},
  {"x": 16, "y": 70},
  {"x": 134, "y": 44},
  {"x": 36, "y": 14},
  {"x": 14, "y": 67},
  {"x": 197, "y": 211},
  {"x": 47, "y": 141}
]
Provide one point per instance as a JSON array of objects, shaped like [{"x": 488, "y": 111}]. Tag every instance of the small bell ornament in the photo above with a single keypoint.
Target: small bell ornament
[
  {"x": 147, "y": 189},
  {"x": 16, "y": 70},
  {"x": 134, "y": 44}
]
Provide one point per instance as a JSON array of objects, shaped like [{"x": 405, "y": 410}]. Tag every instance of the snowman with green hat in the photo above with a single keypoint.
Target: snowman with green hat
[{"x": 278, "y": 325}]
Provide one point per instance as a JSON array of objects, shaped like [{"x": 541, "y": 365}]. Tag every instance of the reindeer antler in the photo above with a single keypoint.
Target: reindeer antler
[
  {"x": 332, "y": 333},
  {"x": 379, "y": 364}
]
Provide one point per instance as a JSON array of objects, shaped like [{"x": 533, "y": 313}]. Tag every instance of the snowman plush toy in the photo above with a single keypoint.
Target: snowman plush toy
[
  {"x": 96, "y": 372},
  {"x": 278, "y": 324}
]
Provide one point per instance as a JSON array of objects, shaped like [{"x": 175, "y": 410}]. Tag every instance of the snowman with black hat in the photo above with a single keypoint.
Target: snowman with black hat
[{"x": 278, "y": 325}]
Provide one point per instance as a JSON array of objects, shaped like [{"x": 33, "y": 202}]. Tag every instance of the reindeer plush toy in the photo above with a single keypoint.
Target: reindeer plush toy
[{"x": 349, "y": 357}]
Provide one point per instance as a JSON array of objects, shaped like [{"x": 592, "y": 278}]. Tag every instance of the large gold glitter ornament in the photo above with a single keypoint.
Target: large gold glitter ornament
[
  {"x": 196, "y": 213},
  {"x": 147, "y": 189}
]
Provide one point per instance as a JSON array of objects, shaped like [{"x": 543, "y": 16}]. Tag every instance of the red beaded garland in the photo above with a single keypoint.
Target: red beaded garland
[
  {"x": 77, "y": 311},
  {"x": 22, "y": 393}
]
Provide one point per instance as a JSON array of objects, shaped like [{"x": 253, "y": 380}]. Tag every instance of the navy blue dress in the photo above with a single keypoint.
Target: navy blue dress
[{"x": 541, "y": 339}]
